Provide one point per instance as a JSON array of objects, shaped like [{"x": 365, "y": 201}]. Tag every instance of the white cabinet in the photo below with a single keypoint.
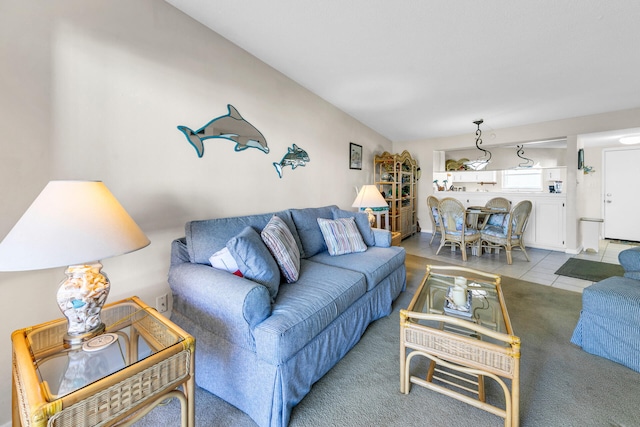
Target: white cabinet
[
  {"x": 486, "y": 176},
  {"x": 550, "y": 223},
  {"x": 473, "y": 176},
  {"x": 555, "y": 174}
]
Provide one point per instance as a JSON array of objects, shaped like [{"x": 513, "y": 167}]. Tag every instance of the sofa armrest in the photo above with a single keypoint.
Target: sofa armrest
[
  {"x": 383, "y": 237},
  {"x": 179, "y": 253},
  {"x": 226, "y": 304},
  {"x": 630, "y": 261}
]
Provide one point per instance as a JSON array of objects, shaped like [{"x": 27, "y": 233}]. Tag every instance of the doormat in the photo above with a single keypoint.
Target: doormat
[
  {"x": 624, "y": 242},
  {"x": 589, "y": 270}
]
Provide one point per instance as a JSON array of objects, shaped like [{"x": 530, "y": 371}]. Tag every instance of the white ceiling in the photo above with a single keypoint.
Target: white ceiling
[{"x": 415, "y": 69}]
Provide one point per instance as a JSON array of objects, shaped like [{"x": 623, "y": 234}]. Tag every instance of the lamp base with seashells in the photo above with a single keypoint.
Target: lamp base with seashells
[{"x": 80, "y": 298}]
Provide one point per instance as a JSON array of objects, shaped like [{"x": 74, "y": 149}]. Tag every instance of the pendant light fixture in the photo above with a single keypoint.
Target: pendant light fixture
[
  {"x": 528, "y": 162},
  {"x": 482, "y": 161}
]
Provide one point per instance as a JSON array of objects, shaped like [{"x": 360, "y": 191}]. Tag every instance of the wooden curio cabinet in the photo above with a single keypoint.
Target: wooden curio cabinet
[{"x": 395, "y": 175}]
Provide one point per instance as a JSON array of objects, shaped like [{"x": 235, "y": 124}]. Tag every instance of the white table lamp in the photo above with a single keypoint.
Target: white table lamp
[
  {"x": 74, "y": 224},
  {"x": 369, "y": 197}
]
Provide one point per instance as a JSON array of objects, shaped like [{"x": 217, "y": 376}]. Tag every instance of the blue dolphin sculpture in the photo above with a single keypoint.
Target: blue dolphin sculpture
[{"x": 232, "y": 127}]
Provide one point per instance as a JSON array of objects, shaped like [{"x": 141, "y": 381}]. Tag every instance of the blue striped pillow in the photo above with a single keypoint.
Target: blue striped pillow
[
  {"x": 278, "y": 238},
  {"x": 341, "y": 236}
]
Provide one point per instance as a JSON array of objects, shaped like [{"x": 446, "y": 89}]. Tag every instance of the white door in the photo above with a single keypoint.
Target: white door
[{"x": 621, "y": 201}]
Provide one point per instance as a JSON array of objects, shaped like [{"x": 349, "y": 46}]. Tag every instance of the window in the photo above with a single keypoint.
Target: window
[{"x": 522, "y": 179}]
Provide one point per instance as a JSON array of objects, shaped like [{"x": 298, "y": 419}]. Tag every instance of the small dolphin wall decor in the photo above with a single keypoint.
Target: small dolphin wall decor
[
  {"x": 232, "y": 127},
  {"x": 295, "y": 157}
]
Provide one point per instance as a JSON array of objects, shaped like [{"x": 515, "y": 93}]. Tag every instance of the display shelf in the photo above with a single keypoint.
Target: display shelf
[{"x": 395, "y": 177}]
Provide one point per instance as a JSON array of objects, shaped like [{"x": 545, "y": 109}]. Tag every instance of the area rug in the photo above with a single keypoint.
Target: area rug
[
  {"x": 589, "y": 270},
  {"x": 624, "y": 242}
]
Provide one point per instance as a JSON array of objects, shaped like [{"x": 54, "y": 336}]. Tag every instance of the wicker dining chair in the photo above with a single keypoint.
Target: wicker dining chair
[
  {"x": 496, "y": 218},
  {"x": 432, "y": 203},
  {"x": 453, "y": 227},
  {"x": 510, "y": 234}
]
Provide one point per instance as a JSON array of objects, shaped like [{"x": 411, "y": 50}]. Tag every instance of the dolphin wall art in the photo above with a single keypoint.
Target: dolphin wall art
[
  {"x": 295, "y": 157},
  {"x": 232, "y": 127}
]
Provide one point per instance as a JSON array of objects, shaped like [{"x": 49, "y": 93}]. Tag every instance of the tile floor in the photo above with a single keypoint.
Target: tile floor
[{"x": 540, "y": 270}]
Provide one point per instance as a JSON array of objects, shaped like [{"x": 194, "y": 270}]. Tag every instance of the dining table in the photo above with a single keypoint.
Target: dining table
[{"x": 478, "y": 216}]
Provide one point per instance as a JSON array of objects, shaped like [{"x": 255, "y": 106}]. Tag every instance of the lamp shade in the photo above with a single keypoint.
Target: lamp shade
[
  {"x": 369, "y": 197},
  {"x": 71, "y": 222}
]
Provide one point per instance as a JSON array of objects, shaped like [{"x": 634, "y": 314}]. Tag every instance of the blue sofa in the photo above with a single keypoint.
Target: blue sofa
[
  {"x": 609, "y": 323},
  {"x": 260, "y": 350}
]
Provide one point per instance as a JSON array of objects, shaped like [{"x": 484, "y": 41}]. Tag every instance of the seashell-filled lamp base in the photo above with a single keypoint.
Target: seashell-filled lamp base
[{"x": 80, "y": 298}]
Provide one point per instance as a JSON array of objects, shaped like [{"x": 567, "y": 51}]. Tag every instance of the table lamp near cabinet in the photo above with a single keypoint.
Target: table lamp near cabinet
[
  {"x": 369, "y": 197},
  {"x": 74, "y": 224}
]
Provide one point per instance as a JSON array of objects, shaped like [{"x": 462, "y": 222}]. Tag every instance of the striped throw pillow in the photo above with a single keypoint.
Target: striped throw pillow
[
  {"x": 278, "y": 238},
  {"x": 341, "y": 236}
]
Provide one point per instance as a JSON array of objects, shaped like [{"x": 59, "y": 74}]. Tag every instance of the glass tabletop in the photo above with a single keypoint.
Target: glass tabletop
[
  {"x": 136, "y": 335},
  {"x": 485, "y": 303}
]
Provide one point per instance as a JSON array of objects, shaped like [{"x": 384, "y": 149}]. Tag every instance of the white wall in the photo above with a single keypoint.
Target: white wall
[
  {"x": 581, "y": 199},
  {"x": 95, "y": 90}
]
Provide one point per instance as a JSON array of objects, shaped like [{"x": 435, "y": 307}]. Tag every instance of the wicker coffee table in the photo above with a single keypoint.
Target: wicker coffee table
[
  {"x": 147, "y": 362},
  {"x": 462, "y": 347}
]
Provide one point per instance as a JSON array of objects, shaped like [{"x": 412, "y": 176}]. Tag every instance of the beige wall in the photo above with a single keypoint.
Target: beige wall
[{"x": 95, "y": 90}]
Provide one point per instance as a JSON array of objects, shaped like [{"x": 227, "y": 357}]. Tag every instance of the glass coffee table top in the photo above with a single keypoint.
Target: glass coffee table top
[{"x": 485, "y": 301}]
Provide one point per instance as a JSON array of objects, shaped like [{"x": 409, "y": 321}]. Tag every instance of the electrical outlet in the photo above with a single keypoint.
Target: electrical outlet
[{"x": 161, "y": 303}]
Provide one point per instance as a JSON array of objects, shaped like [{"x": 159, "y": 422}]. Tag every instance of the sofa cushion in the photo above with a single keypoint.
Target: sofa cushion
[
  {"x": 341, "y": 236},
  {"x": 278, "y": 238},
  {"x": 376, "y": 263},
  {"x": 306, "y": 221},
  {"x": 206, "y": 237},
  {"x": 255, "y": 260},
  {"x": 303, "y": 309},
  {"x": 497, "y": 231},
  {"x": 362, "y": 221}
]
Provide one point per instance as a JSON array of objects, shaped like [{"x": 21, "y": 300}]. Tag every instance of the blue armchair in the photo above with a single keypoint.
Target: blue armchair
[{"x": 609, "y": 324}]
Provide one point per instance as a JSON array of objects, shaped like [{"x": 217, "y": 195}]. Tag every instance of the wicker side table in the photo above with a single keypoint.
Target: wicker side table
[{"x": 57, "y": 386}]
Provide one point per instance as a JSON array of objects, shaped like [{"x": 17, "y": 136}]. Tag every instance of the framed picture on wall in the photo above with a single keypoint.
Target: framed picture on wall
[{"x": 355, "y": 156}]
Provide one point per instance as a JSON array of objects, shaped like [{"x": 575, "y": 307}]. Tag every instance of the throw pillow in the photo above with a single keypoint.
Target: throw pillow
[
  {"x": 341, "y": 236},
  {"x": 278, "y": 238},
  {"x": 254, "y": 260},
  {"x": 362, "y": 221},
  {"x": 223, "y": 260}
]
